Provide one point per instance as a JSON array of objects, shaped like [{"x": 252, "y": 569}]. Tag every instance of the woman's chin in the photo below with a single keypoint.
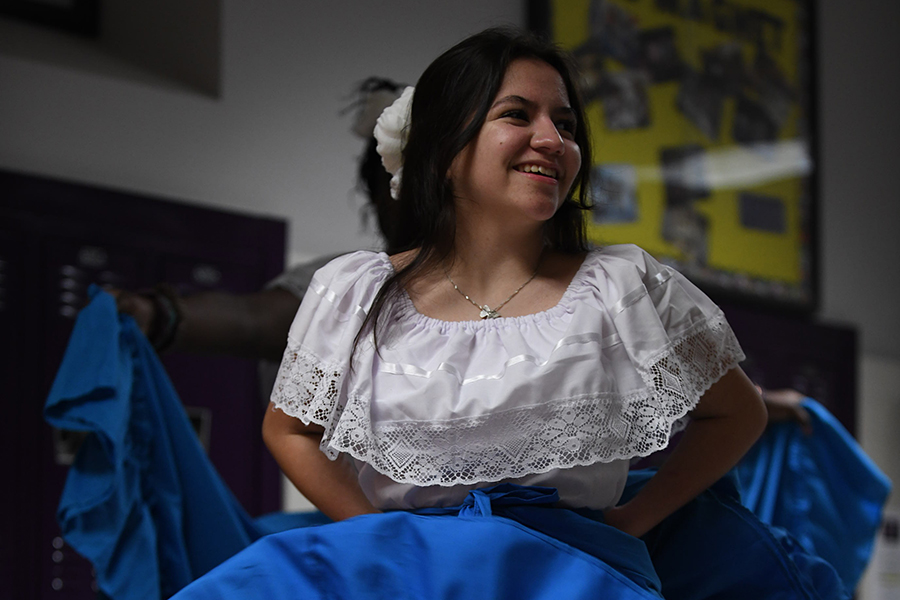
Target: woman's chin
[{"x": 543, "y": 210}]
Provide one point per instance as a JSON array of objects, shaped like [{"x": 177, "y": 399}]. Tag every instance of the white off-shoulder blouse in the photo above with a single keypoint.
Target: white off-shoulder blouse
[{"x": 561, "y": 398}]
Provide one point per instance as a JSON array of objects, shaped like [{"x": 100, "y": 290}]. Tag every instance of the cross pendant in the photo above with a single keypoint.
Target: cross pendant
[{"x": 488, "y": 313}]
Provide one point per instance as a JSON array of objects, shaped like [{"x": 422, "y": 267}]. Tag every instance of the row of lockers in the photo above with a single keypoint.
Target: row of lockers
[{"x": 56, "y": 239}]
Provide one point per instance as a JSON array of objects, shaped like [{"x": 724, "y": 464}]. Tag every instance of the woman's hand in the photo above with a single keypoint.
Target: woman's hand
[
  {"x": 141, "y": 308},
  {"x": 332, "y": 486},
  {"x": 724, "y": 425},
  {"x": 621, "y": 518},
  {"x": 787, "y": 405}
]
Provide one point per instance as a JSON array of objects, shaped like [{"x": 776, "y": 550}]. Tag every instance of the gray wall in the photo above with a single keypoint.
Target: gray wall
[
  {"x": 272, "y": 142},
  {"x": 859, "y": 70},
  {"x": 859, "y": 50}
]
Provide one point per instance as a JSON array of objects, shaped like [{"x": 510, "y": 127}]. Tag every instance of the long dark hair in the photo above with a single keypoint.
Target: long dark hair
[{"x": 450, "y": 104}]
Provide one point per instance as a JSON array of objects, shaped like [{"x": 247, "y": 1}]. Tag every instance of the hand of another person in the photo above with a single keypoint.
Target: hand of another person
[
  {"x": 620, "y": 518},
  {"x": 141, "y": 308},
  {"x": 787, "y": 405}
]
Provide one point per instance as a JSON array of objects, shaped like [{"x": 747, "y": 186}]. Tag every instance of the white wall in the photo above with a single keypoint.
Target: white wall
[{"x": 272, "y": 143}]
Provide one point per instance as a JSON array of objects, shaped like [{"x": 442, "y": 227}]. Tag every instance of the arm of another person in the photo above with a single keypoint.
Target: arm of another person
[
  {"x": 332, "y": 486},
  {"x": 245, "y": 325},
  {"x": 724, "y": 425}
]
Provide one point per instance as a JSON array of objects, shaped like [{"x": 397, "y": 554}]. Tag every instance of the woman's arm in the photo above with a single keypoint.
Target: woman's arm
[
  {"x": 724, "y": 425},
  {"x": 331, "y": 486},
  {"x": 245, "y": 325},
  {"x": 248, "y": 325}
]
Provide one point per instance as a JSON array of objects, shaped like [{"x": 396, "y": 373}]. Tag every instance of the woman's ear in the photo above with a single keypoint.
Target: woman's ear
[
  {"x": 458, "y": 164},
  {"x": 451, "y": 169}
]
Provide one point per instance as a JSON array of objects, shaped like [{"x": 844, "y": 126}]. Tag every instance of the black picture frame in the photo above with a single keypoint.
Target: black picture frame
[{"x": 738, "y": 77}]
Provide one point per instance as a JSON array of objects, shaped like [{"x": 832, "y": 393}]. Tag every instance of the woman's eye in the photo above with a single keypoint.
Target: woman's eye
[
  {"x": 566, "y": 126},
  {"x": 518, "y": 115}
]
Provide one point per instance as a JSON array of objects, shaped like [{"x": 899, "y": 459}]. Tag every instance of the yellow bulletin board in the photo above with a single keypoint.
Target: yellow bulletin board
[{"x": 700, "y": 116}]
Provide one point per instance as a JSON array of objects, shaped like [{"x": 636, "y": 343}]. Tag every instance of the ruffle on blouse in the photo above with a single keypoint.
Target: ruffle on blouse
[{"x": 604, "y": 375}]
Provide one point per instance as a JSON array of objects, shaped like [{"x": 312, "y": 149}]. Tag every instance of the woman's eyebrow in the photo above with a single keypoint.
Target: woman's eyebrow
[
  {"x": 512, "y": 99},
  {"x": 519, "y": 100}
]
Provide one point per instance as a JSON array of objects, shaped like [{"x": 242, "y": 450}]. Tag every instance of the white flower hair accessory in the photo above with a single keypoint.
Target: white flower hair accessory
[{"x": 391, "y": 132}]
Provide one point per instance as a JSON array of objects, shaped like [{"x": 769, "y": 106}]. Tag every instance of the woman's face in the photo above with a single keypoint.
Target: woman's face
[{"x": 525, "y": 158}]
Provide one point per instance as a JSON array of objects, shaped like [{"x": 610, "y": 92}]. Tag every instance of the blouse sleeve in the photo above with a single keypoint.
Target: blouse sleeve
[
  {"x": 674, "y": 334},
  {"x": 311, "y": 378}
]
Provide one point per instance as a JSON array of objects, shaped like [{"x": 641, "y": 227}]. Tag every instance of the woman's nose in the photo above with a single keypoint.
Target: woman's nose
[{"x": 546, "y": 137}]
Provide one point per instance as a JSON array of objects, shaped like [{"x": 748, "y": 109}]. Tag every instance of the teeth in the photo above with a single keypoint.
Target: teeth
[{"x": 538, "y": 169}]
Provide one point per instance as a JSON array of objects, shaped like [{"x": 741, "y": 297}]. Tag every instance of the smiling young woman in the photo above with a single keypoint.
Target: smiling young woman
[{"x": 499, "y": 370}]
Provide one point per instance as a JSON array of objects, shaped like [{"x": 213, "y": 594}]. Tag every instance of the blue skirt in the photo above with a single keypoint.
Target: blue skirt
[{"x": 510, "y": 542}]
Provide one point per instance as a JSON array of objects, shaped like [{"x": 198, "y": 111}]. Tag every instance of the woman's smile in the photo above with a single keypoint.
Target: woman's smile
[{"x": 544, "y": 172}]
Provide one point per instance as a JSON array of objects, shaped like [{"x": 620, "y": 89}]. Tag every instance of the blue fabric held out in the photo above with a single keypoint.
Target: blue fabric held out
[
  {"x": 142, "y": 502},
  {"x": 821, "y": 487},
  {"x": 714, "y": 548}
]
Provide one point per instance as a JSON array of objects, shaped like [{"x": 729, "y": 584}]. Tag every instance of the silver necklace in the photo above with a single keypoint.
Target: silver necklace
[{"x": 486, "y": 311}]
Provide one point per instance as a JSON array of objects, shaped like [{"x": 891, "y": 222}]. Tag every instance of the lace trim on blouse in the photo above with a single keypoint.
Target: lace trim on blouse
[{"x": 558, "y": 434}]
